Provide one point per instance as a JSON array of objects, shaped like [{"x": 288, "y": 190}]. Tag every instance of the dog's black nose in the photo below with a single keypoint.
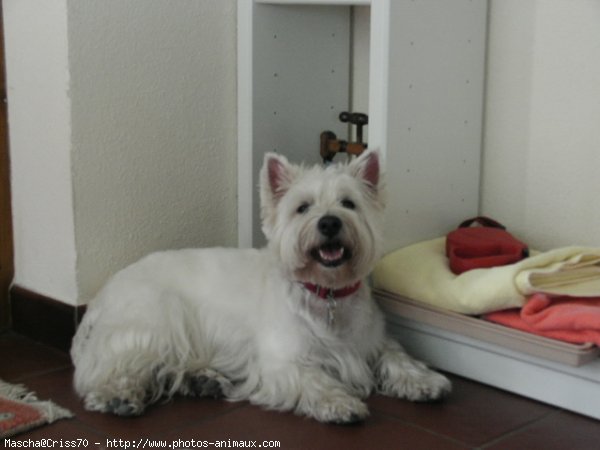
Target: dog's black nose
[{"x": 329, "y": 226}]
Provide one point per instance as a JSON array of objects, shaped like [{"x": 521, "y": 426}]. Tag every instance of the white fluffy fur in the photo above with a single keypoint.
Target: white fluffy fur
[{"x": 242, "y": 323}]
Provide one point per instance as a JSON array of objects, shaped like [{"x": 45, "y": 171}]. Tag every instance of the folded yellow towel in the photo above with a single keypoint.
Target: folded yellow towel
[{"x": 421, "y": 272}]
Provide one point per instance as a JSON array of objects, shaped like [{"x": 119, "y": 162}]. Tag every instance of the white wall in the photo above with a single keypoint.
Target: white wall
[
  {"x": 122, "y": 126},
  {"x": 436, "y": 91},
  {"x": 37, "y": 73},
  {"x": 542, "y": 134},
  {"x": 153, "y": 89}
]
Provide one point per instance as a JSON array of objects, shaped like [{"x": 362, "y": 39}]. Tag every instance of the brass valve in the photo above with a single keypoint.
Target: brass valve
[{"x": 331, "y": 145}]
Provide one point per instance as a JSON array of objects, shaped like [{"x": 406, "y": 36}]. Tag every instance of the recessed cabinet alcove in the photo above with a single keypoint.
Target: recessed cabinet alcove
[{"x": 417, "y": 68}]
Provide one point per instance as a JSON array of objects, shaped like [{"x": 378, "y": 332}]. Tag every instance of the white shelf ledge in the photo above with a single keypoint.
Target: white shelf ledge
[
  {"x": 574, "y": 388},
  {"x": 316, "y": 2}
]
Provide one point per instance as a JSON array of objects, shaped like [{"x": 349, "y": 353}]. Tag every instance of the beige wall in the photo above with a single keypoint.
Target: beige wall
[
  {"x": 153, "y": 87},
  {"x": 122, "y": 127},
  {"x": 542, "y": 133}
]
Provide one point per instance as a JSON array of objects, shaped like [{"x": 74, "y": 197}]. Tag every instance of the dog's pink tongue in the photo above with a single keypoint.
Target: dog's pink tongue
[{"x": 331, "y": 254}]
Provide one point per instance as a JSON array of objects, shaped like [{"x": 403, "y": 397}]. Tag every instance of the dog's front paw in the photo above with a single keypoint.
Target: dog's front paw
[
  {"x": 206, "y": 383},
  {"x": 124, "y": 407},
  {"x": 340, "y": 409},
  {"x": 401, "y": 376},
  {"x": 422, "y": 385}
]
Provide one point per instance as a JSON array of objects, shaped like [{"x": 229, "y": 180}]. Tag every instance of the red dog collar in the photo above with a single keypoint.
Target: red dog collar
[{"x": 326, "y": 293}]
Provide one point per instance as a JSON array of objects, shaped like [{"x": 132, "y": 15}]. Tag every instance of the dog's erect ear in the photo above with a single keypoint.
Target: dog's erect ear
[
  {"x": 367, "y": 168},
  {"x": 276, "y": 176}
]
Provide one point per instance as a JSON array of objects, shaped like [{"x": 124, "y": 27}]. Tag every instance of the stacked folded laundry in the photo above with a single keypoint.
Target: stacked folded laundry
[
  {"x": 554, "y": 294},
  {"x": 570, "y": 319}
]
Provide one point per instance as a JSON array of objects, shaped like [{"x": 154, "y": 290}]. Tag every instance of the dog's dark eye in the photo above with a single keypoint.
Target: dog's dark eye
[
  {"x": 348, "y": 204},
  {"x": 302, "y": 208}
]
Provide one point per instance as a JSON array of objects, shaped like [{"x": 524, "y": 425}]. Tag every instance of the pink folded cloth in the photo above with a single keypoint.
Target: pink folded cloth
[{"x": 570, "y": 319}]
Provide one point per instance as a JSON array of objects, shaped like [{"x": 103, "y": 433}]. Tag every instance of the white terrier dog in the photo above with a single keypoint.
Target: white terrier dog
[{"x": 289, "y": 327}]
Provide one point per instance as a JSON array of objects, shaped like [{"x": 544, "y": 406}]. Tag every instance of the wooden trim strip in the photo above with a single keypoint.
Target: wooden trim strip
[{"x": 44, "y": 319}]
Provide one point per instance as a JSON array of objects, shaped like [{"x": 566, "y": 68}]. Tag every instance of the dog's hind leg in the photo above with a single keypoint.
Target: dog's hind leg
[
  {"x": 121, "y": 383},
  {"x": 399, "y": 375},
  {"x": 129, "y": 353},
  {"x": 128, "y": 401},
  {"x": 116, "y": 369}
]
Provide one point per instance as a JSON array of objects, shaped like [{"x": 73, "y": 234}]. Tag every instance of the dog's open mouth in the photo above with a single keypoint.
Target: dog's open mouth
[{"x": 331, "y": 254}]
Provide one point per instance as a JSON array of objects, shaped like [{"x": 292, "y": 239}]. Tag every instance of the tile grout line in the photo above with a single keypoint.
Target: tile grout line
[
  {"x": 517, "y": 430},
  {"x": 422, "y": 428},
  {"x": 88, "y": 427},
  {"x": 42, "y": 373},
  {"x": 206, "y": 419}
]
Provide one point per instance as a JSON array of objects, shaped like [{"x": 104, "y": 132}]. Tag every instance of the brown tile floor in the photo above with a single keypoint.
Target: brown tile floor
[{"x": 475, "y": 416}]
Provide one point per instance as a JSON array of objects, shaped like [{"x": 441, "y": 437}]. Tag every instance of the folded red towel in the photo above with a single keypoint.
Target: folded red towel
[{"x": 570, "y": 319}]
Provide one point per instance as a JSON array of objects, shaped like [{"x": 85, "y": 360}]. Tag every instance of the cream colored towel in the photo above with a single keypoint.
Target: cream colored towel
[{"x": 421, "y": 272}]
